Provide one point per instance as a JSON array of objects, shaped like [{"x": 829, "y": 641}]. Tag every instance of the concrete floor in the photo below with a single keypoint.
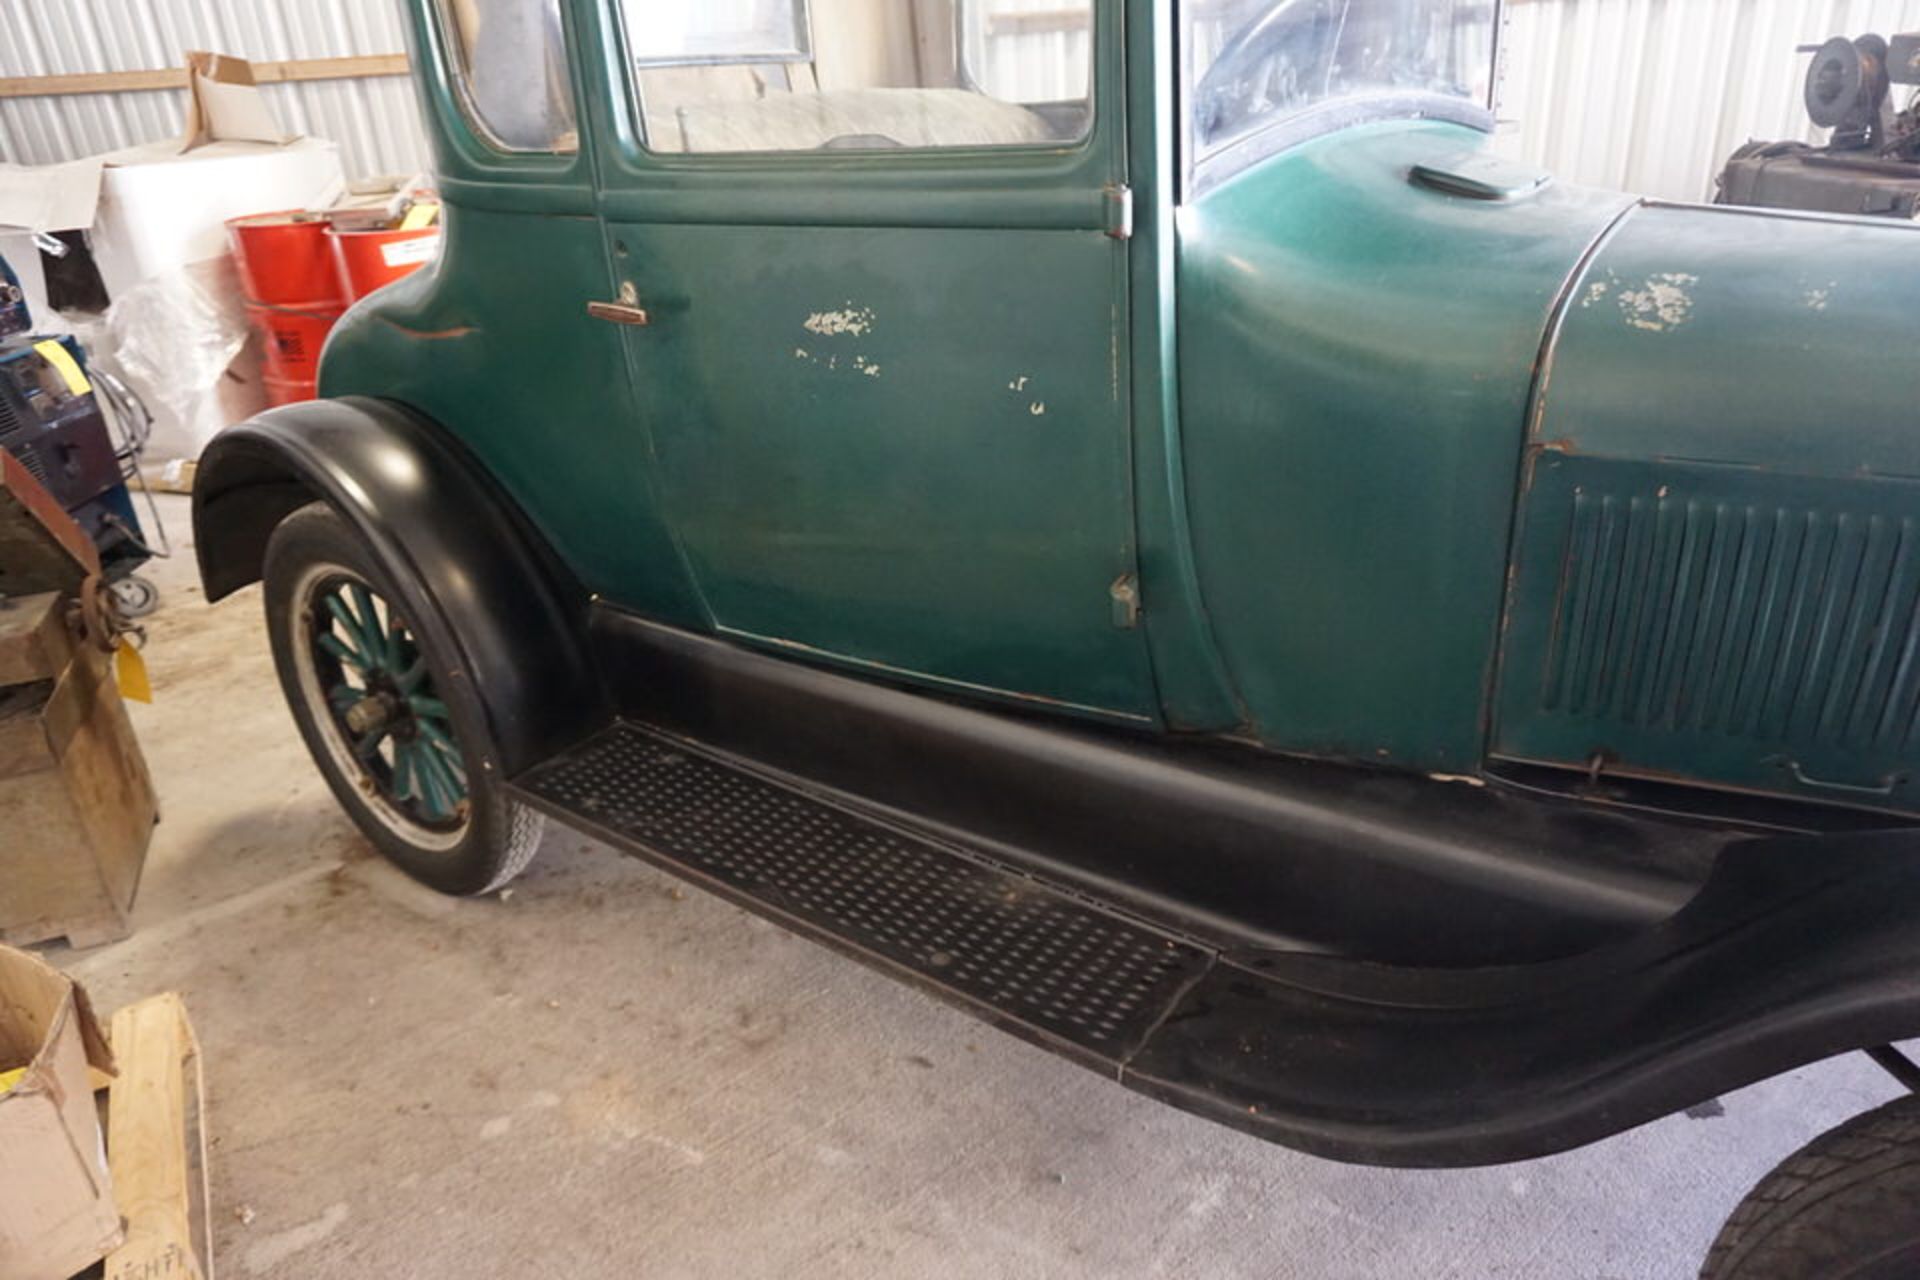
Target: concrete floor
[{"x": 603, "y": 1074}]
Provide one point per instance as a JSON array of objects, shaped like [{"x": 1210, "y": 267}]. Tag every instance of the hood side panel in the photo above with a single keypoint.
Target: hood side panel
[{"x": 1718, "y": 570}]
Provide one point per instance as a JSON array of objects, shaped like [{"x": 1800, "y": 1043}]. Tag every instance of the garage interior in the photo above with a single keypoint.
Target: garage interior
[{"x": 602, "y": 1069}]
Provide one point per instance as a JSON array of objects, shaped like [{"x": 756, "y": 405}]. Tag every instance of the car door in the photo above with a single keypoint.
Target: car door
[{"x": 882, "y": 370}]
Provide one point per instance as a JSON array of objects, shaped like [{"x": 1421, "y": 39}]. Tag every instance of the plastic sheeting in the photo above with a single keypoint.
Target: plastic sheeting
[{"x": 173, "y": 338}]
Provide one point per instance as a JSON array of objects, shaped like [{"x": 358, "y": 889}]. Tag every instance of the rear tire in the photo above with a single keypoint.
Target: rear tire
[
  {"x": 1844, "y": 1207},
  {"x": 403, "y": 746}
]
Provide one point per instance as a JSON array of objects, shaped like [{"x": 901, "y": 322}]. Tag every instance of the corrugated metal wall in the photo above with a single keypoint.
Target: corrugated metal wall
[
  {"x": 1652, "y": 95},
  {"x": 1045, "y": 62},
  {"x": 1647, "y": 95},
  {"x": 375, "y": 121}
]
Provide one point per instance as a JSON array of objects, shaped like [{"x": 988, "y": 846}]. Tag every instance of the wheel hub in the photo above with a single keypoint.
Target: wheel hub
[{"x": 372, "y": 714}]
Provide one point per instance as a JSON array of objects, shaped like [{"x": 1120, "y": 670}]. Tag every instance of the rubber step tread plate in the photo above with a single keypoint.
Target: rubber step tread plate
[{"x": 1029, "y": 955}]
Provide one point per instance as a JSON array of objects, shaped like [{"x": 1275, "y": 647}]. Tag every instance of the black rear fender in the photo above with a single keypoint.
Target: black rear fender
[{"x": 472, "y": 570}]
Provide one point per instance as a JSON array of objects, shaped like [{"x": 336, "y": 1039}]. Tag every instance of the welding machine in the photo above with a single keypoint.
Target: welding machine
[{"x": 55, "y": 420}]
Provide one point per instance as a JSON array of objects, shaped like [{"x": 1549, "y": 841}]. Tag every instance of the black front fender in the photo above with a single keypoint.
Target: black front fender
[{"x": 473, "y": 572}]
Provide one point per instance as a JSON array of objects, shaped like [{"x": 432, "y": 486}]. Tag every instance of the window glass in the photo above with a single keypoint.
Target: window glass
[
  {"x": 511, "y": 57},
  {"x": 1256, "y": 62},
  {"x": 827, "y": 75},
  {"x": 694, "y": 31}
]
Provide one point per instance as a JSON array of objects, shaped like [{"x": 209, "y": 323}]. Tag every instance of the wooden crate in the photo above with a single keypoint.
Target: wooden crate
[
  {"x": 157, "y": 1145},
  {"x": 76, "y": 801},
  {"x": 41, "y": 548}
]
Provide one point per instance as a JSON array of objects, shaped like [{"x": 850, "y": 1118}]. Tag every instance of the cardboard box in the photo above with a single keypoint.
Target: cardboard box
[
  {"x": 76, "y": 801},
  {"x": 57, "y": 1213},
  {"x": 224, "y": 103}
]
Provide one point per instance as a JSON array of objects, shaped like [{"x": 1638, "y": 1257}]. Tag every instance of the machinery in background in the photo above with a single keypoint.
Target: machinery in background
[
  {"x": 14, "y": 316},
  {"x": 1871, "y": 163},
  {"x": 80, "y": 433}
]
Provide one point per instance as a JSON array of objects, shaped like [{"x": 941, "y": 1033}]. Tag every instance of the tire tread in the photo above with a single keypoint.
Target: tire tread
[
  {"x": 1849, "y": 1198},
  {"x": 525, "y": 828}
]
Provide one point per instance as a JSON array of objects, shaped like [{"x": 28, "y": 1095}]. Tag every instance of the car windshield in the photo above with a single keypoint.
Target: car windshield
[{"x": 1253, "y": 63}]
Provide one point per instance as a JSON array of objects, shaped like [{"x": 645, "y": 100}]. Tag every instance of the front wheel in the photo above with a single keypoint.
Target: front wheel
[
  {"x": 402, "y": 745},
  {"x": 1844, "y": 1207}
]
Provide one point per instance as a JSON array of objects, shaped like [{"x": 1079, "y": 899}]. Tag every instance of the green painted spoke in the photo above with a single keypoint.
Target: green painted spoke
[
  {"x": 429, "y": 708},
  {"x": 410, "y": 679},
  {"x": 356, "y": 635},
  {"x": 370, "y": 623},
  {"x": 450, "y": 754},
  {"x": 404, "y": 784},
  {"x": 343, "y": 697},
  {"x": 397, "y": 641},
  {"x": 417, "y": 776},
  {"x": 341, "y": 651},
  {"x": 441, "y": 791},
  {"x": 434, "y": 764},
  {"x": 448, "y": 761},
  {"x": 428, "y": 788},
  {"x": 370, "y": 743},
  {"x": 436, "y": 735}
]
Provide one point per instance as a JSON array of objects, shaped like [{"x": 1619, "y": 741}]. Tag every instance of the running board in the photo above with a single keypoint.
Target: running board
[
  {"x": 1025, "y": 956},
  {"x": 1796, "y": 948},
  {"x": 1208, "y": 840}
]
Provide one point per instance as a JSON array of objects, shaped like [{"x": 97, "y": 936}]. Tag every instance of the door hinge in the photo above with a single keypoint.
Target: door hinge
[
  {"x": 1125, "y": 594},
  {"x": 1119, "y": 211}
]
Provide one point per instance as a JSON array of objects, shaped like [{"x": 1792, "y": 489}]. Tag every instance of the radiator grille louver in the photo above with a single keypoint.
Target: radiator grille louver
[{"x": 1770, "y": 623}]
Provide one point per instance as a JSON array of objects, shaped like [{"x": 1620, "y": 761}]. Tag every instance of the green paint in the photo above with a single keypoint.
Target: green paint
[
  {"x": 916, "y": 413},
  {"x": 1196, "y": 692},
  {"x": 1717, "y": 574},
  {"x": 1356, "y": 356},
  {"x": 1773, "y": 336}
]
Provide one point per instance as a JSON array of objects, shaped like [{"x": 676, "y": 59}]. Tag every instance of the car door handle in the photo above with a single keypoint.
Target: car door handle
[{"x": 626, "y": 310}]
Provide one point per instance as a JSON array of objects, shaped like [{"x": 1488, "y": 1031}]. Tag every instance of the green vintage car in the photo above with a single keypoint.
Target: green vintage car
[{"x": 1129, "y": 516}]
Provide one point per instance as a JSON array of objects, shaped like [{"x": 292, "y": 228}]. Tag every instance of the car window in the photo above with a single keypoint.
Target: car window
[
  {"x": 861, "y": 75},
  {"x": 1254, "y": 63},
  {"x": 510, "y": 57}
]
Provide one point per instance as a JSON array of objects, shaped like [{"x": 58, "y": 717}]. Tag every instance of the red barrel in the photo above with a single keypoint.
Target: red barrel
[
  {"x": 289, "y": 391},
  {"x": 294, "y": 337},
  {"x": 370, "y": 259},
  {"x": 285, "y": 259}
]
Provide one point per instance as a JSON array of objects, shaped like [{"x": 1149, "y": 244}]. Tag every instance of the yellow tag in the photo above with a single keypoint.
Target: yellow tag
[
  {"x": 419, "y": 217},
  {"x": 130, "y": 669},
  {"x": 8, "y": 1079},
  {"x": 60, "y": 358}
]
